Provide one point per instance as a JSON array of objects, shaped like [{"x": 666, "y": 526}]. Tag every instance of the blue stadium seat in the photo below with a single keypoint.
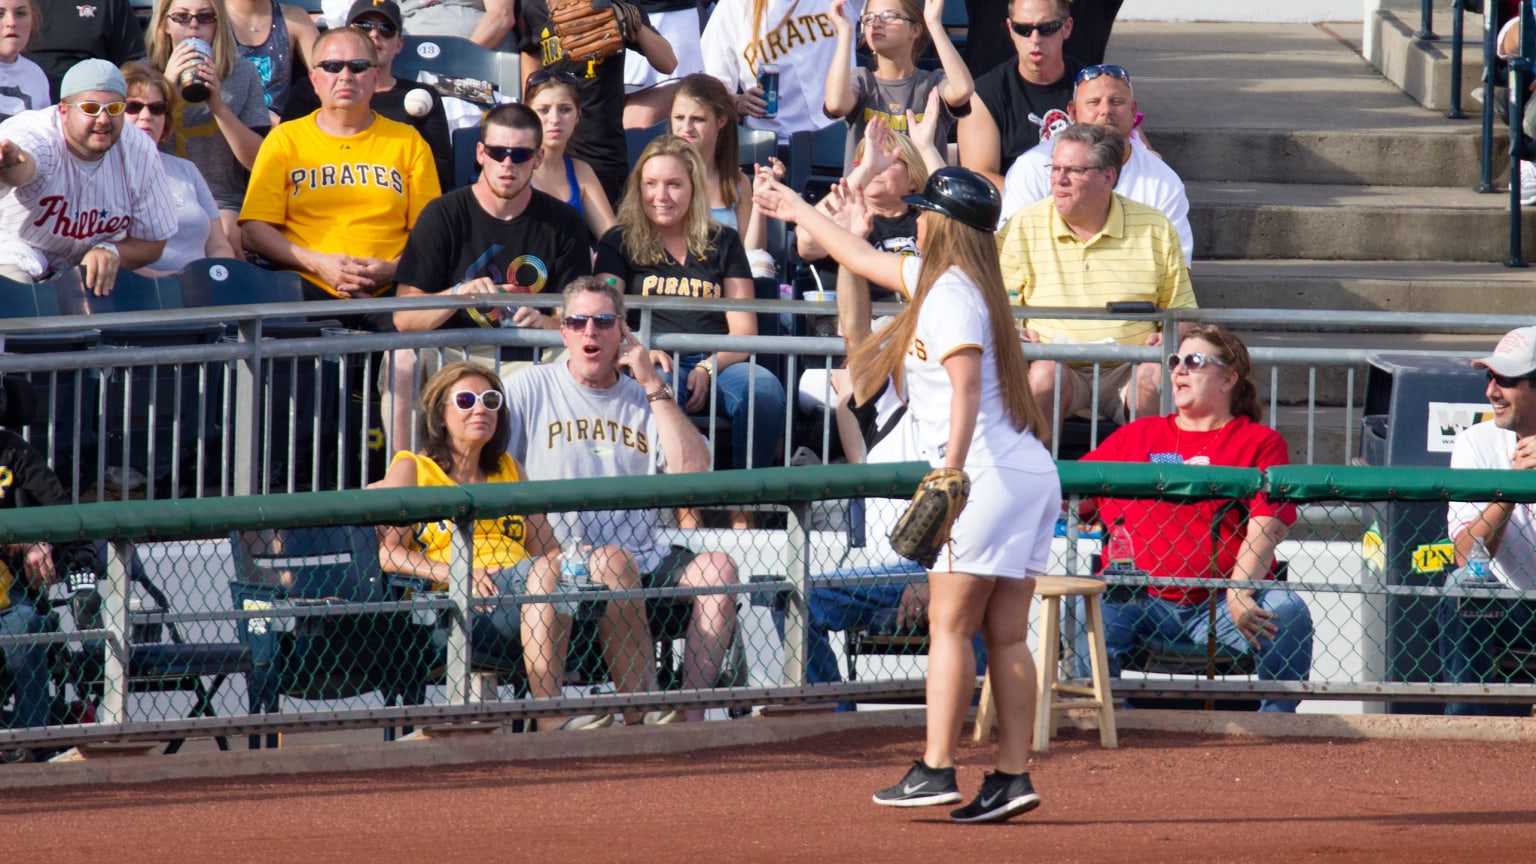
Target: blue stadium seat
[{"x": 459, "y": 58}]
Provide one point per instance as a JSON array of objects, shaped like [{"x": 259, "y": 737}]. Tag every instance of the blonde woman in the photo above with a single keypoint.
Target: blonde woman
[{"x": 954, "y": 352}]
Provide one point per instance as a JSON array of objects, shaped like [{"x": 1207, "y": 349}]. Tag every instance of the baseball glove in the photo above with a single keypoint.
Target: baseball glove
[
  {"x": 924, "y": 529},
  {"x": 594, "y": 30}
]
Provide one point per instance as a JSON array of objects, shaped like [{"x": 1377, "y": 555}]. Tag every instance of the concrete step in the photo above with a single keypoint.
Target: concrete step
[
  {"x": 1361, "y": 286},
  {"x": 1422, "y": 68},
  {"x": 1326, "y": 437},
  {"x": 1361, "y": 223},
  {"x": 1446, "y": 156}
]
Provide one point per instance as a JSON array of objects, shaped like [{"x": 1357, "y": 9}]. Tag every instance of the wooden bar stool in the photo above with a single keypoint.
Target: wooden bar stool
[{"x": 1050, "y": 590}]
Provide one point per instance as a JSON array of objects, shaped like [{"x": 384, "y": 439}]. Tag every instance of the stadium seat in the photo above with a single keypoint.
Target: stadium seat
[
  {"x": 160, "y": 660},
  {"x": 460, "y": 58},
  {"x": 636, "y": 139},
  {"x": 323, "y": 657}
]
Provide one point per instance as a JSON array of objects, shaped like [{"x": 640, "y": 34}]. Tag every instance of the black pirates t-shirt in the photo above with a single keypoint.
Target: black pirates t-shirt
[{"x": 701, "y": 277}]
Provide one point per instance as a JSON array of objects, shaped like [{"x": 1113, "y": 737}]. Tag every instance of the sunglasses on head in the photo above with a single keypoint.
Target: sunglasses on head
[
  {"x": 91, "y": 109},
  {"x": 1193, "y": 361},
  {"x": 1091, "y": 72},
  {"x": 518, "y": 155},
  {"x": 185, "y": 18},
  {"x": 1505, "y": 381},
  {"x": 544, "y": 76},
  {"x": 1048, "y": 28},
  {"x": 465, "y": 400},
  {"x": 133, "y": 106},
  {"x": 603, "y": 321},
  {"x": 383, "y": 28},
  {"x": 356, "y": 67}
]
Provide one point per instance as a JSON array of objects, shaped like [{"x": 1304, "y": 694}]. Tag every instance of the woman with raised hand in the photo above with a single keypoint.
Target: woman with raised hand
[
  {"x": 955, "y": 353},
  {"x": 222, "y": 131},
  {"x": 198, "y": 231},
  {"x": 463, "y": 428}
]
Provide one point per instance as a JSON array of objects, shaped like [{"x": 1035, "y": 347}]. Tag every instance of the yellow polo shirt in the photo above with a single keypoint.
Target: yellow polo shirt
[{"x": 1136, "y": 256}]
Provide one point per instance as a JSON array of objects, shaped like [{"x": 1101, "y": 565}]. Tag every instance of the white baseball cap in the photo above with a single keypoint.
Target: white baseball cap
[{"x": 1514, "y": 356}]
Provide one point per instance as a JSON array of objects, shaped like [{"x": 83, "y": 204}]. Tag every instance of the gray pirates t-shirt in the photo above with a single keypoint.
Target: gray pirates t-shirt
[{"x": 562, "y": 430}]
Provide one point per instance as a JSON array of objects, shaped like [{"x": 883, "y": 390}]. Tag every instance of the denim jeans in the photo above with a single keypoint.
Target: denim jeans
[
  {"x": 1287, "y": 657},
  {"x": 1468, "y": 647},
  {"x": 27, "y": 665},
  {"x": 742, "y": 386},
  {"x": 847, "y": 607}
]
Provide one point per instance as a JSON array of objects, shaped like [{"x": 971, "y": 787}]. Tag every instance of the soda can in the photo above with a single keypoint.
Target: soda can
[
  {"x": 193, "y": 88},
  {"x": 768, "y": 82}
]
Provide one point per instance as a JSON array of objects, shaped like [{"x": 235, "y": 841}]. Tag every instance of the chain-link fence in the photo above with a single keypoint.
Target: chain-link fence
[{"x": 259, "y": 614}]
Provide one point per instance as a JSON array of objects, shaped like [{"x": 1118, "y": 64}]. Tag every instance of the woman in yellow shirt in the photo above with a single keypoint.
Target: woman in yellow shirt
[{"x": 463, "y": 431}]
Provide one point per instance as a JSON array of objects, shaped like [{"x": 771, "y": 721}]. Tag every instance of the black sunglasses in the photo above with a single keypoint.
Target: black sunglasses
[
  {"x": 1505, "y": 381},
  {"x": 1091, "y": 72},
  {"x": 465, "y": 400},
  {"x": 518, "y": 155},
  {"x": 156, "y": 108},
  {"x": 383, "y": 28},
  {"x": 356, "y": 67},
  {"x": 1193, "y": 361},
  {"x": 603, "y": 321},
  {"x": 185, "y": 18},
  {"x": 544, "y": 76},
  {"x": 1049, "y": 28}
]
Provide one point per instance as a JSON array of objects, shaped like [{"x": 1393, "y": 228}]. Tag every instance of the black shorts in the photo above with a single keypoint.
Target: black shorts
[{"x": 668, "y": 572}]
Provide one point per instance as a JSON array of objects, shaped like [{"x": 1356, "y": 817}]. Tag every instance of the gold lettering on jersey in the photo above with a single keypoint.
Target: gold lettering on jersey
[
  {"x": 347, "y": 174},
  {"x": 896, "y": 119},
  {"x": 793, "y": 30},
  {"x": 551, "y": 52},
  {"x": 918, "y": 349},
  {"x": 6, "y": 479},
  {"x": 595, "y": 429},
  {"x": 680, "y": 286}
]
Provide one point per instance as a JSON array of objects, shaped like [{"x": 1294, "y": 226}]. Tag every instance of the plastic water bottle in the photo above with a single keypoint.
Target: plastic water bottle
[
  {"x": 576, "y": 575},
  {"x": 1478, "y": 571},
  {"x": 1119, "y": 550}
]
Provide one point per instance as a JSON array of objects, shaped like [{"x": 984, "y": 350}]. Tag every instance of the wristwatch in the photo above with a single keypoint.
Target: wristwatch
[{"x": 664, "y": 393}]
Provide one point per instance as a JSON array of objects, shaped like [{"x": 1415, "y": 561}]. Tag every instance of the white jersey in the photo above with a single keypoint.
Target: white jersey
[
  {"x": 563, "y": 430},
  {"x": 72, "y": 205},
  {"x": 1487, "y": 446},
  {"x": 23, "y": 87},
  {"x": 1144, "y": 178},
  {"x": 796, "y": 36},
  {"x": 954, "y": 317}
]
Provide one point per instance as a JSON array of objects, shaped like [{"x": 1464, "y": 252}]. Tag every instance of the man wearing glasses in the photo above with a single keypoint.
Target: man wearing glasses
[
  {"x": 1103, "y": 97},
  {"x": 1086, "y": 246},
  {"x": 607, "y": 412},
  {"x": 334, "y": 195},
  {"x": 1013, "y": 101},
  {"x": 77, "y": 189},
  {"x": 499, "y": 236},
  {"x": 1473, "y": 633}
]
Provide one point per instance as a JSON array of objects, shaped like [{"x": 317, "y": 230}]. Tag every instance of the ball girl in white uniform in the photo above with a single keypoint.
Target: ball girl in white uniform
[{"x": 955, "y": 352}]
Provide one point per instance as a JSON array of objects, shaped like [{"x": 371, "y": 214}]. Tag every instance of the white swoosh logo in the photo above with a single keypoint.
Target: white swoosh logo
[
  {"x": 987, "y": 802},
  {"x": 908, "y": 790}
]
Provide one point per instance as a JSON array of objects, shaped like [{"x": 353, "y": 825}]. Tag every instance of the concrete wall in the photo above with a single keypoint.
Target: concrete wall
[{"x": 1304, "y": 11}]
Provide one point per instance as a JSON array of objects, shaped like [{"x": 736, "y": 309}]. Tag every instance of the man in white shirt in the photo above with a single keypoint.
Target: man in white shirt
[
  {"x": 1472, "y": 634},
  {"x": 1103, "y": 96},
  {"x": 77, "y": 188}
]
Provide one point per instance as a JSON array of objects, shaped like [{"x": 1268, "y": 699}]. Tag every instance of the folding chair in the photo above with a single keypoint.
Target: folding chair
[{"x": 323, "y": 657}]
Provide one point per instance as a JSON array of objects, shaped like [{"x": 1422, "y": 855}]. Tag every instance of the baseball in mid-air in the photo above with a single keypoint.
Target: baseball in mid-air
[{"x": 418, "y": 102}]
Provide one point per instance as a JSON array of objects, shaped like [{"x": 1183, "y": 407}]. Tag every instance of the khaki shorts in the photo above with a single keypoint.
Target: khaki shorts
[{"x": 1115, "y": 383}]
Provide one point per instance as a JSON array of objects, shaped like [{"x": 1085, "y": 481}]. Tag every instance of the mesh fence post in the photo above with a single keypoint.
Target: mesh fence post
[
  {"x": 460, "y": 581},
  {"x": 114, "y": 616},
  {"x": 796, "y": 633}
]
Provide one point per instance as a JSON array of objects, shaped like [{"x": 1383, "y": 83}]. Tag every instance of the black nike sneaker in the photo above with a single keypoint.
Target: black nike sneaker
[{"x": 922, "y": 787}]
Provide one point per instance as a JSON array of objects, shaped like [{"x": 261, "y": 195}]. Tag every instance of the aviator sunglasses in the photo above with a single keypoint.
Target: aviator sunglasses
[
  {"x": 1193, "y": 361},
  {"x": 603, "y": 321},
  {"x": 465, "y": 400}
]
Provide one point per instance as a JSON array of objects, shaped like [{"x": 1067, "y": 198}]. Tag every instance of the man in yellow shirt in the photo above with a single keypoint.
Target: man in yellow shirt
[
  {"x": 1086, "y": 246},
  {"x": 334, "y": 195}
]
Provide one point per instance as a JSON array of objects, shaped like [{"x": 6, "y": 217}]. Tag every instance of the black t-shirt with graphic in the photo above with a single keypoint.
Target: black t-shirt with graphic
[
  {"x": 1018, "y": 107},
  {"x": 599, "y": 137},
  {"x": 455, "y": 241},
  {"x": 702, "y": 277}
]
